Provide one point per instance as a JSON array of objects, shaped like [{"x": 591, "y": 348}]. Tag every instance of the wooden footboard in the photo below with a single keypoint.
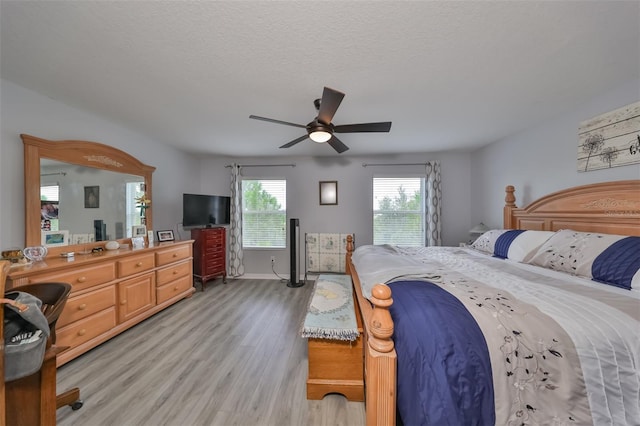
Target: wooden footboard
[{"x": 379, "y": 353}]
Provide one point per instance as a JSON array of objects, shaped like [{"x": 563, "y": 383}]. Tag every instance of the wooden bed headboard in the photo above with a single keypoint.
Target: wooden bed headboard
[{"x": 608, "y": 207}]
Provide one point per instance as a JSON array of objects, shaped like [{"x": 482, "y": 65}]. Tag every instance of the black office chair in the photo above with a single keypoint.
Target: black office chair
[{"x": 54, "y": 297}]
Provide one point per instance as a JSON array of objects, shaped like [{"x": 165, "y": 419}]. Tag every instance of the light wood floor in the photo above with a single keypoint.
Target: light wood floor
[{"x": 231, "y": 355}]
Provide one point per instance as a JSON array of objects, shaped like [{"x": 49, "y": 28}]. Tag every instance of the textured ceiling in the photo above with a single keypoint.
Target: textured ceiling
[{"x": 449, "y": 74}]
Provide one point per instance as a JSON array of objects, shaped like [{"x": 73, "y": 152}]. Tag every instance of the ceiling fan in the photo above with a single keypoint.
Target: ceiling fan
[{"x": 321, "y": 129}]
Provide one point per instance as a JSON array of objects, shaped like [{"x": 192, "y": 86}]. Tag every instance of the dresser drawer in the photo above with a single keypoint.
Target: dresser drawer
[
  {"x": 80, "y": 278},
  {"x": 178, "y": 286},
  {"x": 217, "y": 262},
  {"x": 171, "y": 273},
  {"x": 214, "y": 240},
  {"x": 86, "y": 329},
  {"x": 135, "y": 265},
  {"x": 169, "y": 255},
  {"x": 213, "y": 251},
  {"x": 87, "y": 304}
]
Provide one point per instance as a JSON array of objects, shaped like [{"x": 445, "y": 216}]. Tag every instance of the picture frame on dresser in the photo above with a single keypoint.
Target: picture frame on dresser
[
  {"x": 138, "y": 231},
  {"x": 165, "y": 235},
  {"x": 137, "y": 242},
  {"x": 55, "y": 238}
]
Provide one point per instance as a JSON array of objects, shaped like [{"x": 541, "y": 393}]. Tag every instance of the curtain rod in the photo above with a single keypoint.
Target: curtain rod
[
  {"x": 54, "y": 174},
  {"x": 396, "y": 164},
  {"x": 261, "y": 165}
]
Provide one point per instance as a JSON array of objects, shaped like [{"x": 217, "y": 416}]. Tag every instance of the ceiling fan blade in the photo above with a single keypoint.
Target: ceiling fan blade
[
  {"x": 271, "y": 120},
  {"x": 337, "y": 144},
  {"x": 384, "y": 126},
  {"x": 295, "y": 141},
  {"x": 329, "y": 104}
]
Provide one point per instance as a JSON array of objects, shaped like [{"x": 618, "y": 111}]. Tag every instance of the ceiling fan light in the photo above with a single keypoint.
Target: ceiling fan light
[{"x": 320, "y": 136}]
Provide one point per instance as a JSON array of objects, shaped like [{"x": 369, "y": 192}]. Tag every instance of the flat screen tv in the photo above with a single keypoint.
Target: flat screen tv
[{"x": 205, "y": 210}]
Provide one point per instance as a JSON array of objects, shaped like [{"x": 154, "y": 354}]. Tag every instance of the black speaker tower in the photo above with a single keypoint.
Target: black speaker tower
[
  {"x": 294, "y": 256},
  {"x": 100, "y": 229}
]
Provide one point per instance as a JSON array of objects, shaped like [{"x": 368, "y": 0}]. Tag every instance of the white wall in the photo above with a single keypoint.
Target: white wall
[
  {"x": 537, "y": 161},
  {"x": 353, "y": 214},
  {"x": 24, "y": 111},
  {"x": 542, "y": 159}
]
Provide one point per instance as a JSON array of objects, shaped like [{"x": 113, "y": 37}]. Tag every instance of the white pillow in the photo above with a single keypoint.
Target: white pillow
[
  {"x": 573, "y": 251},
  {"x": 487, "y": 241},
  {"x": 526, "y": 245}
]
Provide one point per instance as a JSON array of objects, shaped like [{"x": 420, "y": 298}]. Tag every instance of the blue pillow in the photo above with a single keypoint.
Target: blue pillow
[
  {"x": 501, "y": 248},
  {"x": 618, "y": 263}
]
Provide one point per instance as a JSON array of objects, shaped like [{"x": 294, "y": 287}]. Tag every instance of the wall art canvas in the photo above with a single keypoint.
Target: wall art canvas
[
  {"x": 91, "y": 197},
  {"x": 610, "y": 140}
]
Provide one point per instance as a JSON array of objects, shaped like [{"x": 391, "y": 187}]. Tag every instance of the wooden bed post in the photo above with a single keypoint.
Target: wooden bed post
[
  {"x": 381, "y": 361},
  {"x": 510, "y": 204},
  {"x": 347, "y": 266},
  {"x": 379, "y": 351}
]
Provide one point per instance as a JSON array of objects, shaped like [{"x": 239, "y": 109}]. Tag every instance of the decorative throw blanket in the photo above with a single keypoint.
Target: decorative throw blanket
[{"x": 331, "y": 312}]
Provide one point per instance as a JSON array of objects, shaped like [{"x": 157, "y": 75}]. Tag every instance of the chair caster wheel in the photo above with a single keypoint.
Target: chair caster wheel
[{"x": 77, "y": 405}]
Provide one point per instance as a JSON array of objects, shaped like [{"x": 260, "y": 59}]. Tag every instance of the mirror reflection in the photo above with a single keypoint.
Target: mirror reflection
[{"x": 74, "y": 197}]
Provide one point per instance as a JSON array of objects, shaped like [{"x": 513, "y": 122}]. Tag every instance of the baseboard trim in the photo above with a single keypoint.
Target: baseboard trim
[{"x": 270, "y": 277}]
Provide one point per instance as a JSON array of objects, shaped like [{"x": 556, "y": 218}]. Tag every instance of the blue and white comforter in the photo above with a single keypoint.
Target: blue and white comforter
[{"x": 482, "y": 340}]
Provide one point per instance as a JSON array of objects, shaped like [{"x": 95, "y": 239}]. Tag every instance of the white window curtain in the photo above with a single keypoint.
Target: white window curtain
[
  {"x": 236, "y": 254},
  {"x": 433, "y": 204}
]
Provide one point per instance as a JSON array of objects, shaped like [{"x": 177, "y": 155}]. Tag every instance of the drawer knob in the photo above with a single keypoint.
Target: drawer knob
[
  {"x": 139, "y": 264},
  {"x": 82, "y": 279},
  {"x": 175, "y": 288},
  {"x": 123, "y": 302},
  {"x": 175, "y": 254},
  {"x": 175, "y": 272},
  {"x": 82, "y": 332},
  {"x": 82, "y": 307}
]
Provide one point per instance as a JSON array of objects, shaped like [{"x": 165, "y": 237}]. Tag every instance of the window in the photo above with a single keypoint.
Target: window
[
  {"x": 264, "y": 213},
  {"x": 398, "y": 211},
  {"x": 50, "y": 193},
  {"x": 134, "y": 215}
]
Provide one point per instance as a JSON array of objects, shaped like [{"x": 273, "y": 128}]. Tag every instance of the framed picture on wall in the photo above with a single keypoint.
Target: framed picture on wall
[
  {"x": 91, "y": 197},
  {"x": 328, "y": 192}
]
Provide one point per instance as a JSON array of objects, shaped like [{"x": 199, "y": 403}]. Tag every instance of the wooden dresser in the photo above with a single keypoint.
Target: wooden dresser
[
  {"x": 209, "y": 254},
  {"x": 112, "y": 290}
]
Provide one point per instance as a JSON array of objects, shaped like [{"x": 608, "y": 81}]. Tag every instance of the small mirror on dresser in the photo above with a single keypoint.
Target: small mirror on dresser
[{"x": 83, "y": 190}]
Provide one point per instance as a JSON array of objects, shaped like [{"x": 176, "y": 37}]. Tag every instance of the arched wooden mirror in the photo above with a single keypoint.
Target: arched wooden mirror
[{"x": 91, "y": 181}]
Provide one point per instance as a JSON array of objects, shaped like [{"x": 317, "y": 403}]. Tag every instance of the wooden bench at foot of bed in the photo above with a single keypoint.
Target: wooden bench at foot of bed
[
  {"x": 335, "y": 359},
  {"x": 335, "y": 366}
]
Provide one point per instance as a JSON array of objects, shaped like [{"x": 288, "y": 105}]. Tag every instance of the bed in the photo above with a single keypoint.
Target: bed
[{"x": 525, "y": 346}]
